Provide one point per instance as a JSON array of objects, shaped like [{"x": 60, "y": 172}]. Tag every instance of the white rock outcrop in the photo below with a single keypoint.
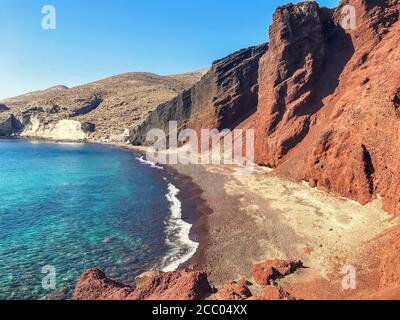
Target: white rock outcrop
[{"x": 65, "y": 130}]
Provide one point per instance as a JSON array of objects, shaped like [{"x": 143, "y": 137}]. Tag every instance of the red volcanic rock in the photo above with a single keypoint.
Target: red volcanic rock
[
  {"x": 179, "y": 285},
  {"x": 313, "y": 183},
  {"x": 318, "y": 119},
  {"x": 384, "y": 294},
  {"x": 264, "y": 273},
  {"x": 255, "y": 298},
  {"x": 235, "y": 290},
  {"x": 94, "y": 285},
  {"x": 390, "y": 262},
  {"x": 146, "y": 276},
  {"x": 276, "y": 293},
  {"x": 324, "y": 101},
  {"x": 287, "y": 76}
]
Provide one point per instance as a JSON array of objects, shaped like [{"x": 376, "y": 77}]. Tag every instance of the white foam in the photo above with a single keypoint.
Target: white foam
[
  {"x": 150, "y": 163},
  {"x": 178, "y": 231}
]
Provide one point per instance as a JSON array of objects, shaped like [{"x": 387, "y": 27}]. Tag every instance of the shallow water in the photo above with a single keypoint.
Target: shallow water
[{"x": 77, "y": 206}]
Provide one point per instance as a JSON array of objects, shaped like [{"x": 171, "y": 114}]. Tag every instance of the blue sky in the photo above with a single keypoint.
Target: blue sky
[{"x": 95, "y": 39}]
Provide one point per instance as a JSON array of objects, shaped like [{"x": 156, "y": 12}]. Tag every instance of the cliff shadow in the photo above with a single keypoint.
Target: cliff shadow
[{"x": 339, "y": 51}]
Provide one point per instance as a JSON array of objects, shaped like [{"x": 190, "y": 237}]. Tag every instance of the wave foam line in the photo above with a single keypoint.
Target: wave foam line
[
  {"x": 178, "y": 231},
  {"x": 150, "y": 163}
]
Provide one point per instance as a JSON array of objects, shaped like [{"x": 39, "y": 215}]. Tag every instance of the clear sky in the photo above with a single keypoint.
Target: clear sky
[{"x": 95, "y": 39}]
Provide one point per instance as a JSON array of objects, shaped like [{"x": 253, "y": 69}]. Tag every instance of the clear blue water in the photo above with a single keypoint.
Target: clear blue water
[{"x": 74, "y": 207}]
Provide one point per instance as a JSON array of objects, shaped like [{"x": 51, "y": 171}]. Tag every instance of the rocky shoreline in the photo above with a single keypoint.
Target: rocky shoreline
[
  {"x": 216, "y": 261},
  {"x": 324, "y": 103},
  {"x": 187, "y": 285},
  {"x": 229, "y": 251}
]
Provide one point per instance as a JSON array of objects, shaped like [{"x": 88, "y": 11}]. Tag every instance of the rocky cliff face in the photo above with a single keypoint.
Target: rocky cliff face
[
  {"x": 288, "y": 78},
  {"x": 338, "y": 131},
  {"x": 324, "y": 100},
  {"x": 223, "y": 98},
  {"x": 347, "y": 141},
  {"x": 9, "y": 126}
]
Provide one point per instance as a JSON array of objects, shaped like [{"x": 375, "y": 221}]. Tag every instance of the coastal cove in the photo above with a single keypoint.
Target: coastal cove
[
  {"x": 258, "y": 163},
  {"x": 209, "y": 218},
  {"x": 74, "y": 206}
]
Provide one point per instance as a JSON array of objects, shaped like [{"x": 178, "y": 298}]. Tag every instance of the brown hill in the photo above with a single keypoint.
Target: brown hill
[{"x": 111, "y": 105}]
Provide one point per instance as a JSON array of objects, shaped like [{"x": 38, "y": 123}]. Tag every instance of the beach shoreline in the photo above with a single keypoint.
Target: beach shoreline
[
  {"x": 259, "y": 216},
  {"x": 242, "y": 219},
  {"x": 193, "y": 207}
]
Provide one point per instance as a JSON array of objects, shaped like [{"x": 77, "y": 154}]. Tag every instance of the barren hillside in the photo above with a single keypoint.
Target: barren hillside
[{"x": 106, "y": 107}]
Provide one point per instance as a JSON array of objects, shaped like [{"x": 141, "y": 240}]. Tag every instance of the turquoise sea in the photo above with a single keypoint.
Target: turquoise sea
[{"x": 78, "y": 206}]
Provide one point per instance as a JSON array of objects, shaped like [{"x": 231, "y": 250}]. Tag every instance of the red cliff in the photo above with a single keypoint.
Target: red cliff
[
  {"x": 324, "y": 100},
  {"x": 329, "y": 99}
]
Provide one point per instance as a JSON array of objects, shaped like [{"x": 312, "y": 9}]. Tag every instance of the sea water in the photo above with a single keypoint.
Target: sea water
[{"x": 70, "y": 207}]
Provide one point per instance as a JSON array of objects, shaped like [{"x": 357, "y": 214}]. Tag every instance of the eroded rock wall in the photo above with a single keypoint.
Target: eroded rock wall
[
  {"x": 223, "y": 98},
  {"x": 328, "y": 108},
  {"x": 328, "y": 99},
  {"x": 9, "y": 126}
]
